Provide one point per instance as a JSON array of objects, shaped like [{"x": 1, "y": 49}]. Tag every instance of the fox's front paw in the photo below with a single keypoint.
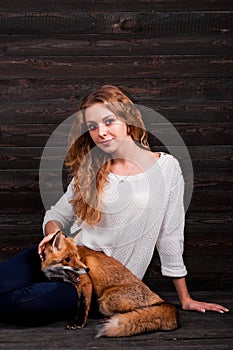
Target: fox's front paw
[{"x": 73, "y": 326}]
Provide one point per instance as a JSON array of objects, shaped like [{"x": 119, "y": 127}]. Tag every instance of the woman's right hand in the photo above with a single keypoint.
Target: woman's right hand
[{"x": 42, "y": 244}]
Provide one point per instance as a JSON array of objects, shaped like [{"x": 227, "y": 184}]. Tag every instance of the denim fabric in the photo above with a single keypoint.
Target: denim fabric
[{"x": 27, "y": 296}]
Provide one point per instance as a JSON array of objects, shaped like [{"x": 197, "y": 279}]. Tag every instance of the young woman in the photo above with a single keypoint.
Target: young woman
[{"x": 126, "y": 199}]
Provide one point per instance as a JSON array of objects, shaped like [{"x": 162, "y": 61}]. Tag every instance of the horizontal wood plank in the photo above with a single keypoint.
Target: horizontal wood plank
[
  {"x": 174, "y": 110},
  {"x": 123, "y": 5},
  {"x": 152, "y": 67},
  {"x": 159, "y": 23},
  {"x": 120, "y": 45},
  {"x": 212, "y": 224},
  {"x": 201, "y": 89},
  {"x": 13, "y": 224},
  {"x": 215, "y": 245}
]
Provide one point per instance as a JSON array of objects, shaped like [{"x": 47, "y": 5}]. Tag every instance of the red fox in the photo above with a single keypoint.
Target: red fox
[{"x": 133, "y": 308}]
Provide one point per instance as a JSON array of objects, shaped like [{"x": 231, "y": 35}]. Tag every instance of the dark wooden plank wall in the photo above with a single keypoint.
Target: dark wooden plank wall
[{"x": 172, "y": 56}]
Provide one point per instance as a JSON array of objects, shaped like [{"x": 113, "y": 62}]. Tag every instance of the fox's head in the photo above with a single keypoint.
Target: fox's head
[{"x": 61, "y": 260}]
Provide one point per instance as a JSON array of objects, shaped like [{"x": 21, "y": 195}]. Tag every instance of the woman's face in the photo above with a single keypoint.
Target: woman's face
[{"x": 106, "y": 130}]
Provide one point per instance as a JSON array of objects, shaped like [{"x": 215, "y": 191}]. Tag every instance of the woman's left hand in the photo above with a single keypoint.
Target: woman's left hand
[{"x": 194, "y": 305}]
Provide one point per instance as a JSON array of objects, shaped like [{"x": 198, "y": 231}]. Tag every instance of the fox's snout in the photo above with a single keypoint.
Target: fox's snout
[
  {"x": 79, "y": 265},
  {"x": 81, "y": 271}
]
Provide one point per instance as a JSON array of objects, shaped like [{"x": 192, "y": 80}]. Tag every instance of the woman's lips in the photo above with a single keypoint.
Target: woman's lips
[{"x": 106, "y": 142}]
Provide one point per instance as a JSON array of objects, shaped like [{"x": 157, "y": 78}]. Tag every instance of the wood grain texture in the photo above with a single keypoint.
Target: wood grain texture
[
  {"x": 123, "y": 5},
  {"x": 121, "y": 45},
  {"x": 161, "y": 23},
  {"x": 56, "y": 111},
  {"x": 159, "y": 89},
  {"x": 152, "y": 67}
]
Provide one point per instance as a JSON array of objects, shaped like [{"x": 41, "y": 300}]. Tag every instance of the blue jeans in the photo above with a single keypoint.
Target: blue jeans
[{"x": 28, "y": 297}]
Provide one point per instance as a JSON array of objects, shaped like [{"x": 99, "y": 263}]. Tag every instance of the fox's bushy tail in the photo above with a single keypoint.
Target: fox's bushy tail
[{"x": 162, "y": 316}]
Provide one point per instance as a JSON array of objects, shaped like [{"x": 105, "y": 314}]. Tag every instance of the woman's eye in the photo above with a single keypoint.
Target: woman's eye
[
  {"x": 67, "y": 259},
  {"x": 92, "y": 127},
  {"x": 109, "y": 121}
]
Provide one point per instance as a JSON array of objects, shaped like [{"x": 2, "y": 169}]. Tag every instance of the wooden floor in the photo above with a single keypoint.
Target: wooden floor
[{"x": 197, "y": 331}]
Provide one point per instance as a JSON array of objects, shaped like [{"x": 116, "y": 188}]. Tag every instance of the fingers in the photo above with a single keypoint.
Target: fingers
[
  {"x": 42, "y": 245},
  {"x": 41, "y": 248},
  {"x": 203, "y": 307},
  {"x": 214, "y": 307},
  {"x": 41, "y": 257}
]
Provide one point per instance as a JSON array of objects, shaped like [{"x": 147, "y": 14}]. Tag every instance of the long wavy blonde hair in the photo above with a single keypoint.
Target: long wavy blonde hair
[{"x": 89, "y": 165}]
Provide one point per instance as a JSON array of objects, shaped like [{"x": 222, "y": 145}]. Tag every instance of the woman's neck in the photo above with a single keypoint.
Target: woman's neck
[
  {"x": 133, "y": 160},
  {"x": 127, "y": 152}
]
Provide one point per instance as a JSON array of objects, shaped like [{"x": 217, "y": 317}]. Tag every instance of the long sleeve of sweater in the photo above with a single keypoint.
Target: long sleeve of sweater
[
  {"x": 171, "y": 237},
  {"x": 62, "y": 211}
]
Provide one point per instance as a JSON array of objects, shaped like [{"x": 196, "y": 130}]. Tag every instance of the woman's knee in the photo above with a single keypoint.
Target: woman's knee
[
  {"x": 21, "y": 270},
  {"x": 40, "y": 302}
]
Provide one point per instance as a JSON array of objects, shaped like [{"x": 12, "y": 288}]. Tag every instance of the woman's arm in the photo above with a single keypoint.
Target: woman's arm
[
  {"x": 188, "y": 303},
  {"x": 58, "y": 217},
  {"x": 52, "y": 227},
  {"x": 61, "y": 215}
]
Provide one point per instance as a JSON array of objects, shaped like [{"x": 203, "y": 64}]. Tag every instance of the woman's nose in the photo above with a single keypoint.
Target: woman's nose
[{"x": 102, "y": 130}]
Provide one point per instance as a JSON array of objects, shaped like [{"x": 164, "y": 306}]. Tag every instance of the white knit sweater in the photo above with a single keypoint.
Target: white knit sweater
[{"x": 139, "y": 213}]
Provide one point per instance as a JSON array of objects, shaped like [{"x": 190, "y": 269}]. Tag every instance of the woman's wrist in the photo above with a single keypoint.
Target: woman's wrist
[
  {"x": 52, "y": 233},
  {"x": 52, "y": 228},
  {"x": 182, "y": 290}
]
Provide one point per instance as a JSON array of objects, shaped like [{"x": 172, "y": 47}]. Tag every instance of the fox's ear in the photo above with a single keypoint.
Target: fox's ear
[{"x": 58, "y": 241}]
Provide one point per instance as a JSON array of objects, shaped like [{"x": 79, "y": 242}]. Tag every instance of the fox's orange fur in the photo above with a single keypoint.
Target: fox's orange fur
[{"x": 133, "y": 308}]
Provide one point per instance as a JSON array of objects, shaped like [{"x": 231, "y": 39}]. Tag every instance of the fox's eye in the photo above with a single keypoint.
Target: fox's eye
[{"x": 67, "y": 259}]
